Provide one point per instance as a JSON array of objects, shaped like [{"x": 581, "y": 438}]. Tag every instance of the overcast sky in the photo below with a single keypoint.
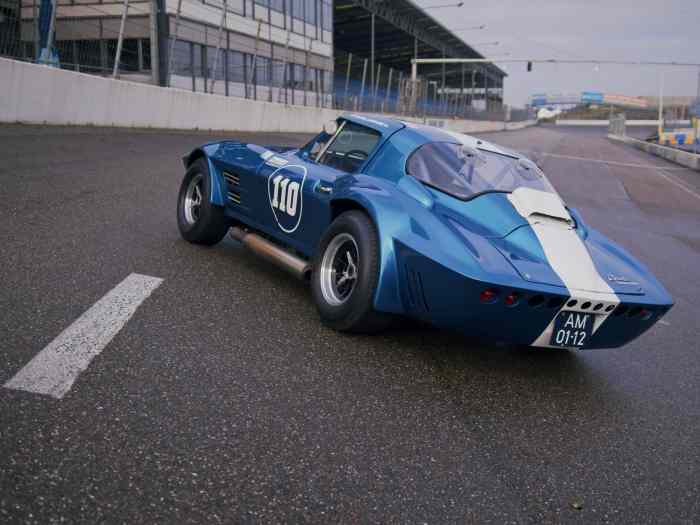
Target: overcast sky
[{"x": 659, "y": 30}]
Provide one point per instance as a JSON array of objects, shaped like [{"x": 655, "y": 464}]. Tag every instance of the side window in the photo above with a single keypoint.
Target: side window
[{"x": 350, "y": 148}]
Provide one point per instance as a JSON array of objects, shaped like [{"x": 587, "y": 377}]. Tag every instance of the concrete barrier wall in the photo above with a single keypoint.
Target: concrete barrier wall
[
  {"x": 471, "y": 126},
  {"x": 573, "y": 122},
  {"x": 36, "y": 94},
  {"x": 39, "y": 94},
  {"x": 514, "y": 126},
  {"x": 684, "y": 158}
]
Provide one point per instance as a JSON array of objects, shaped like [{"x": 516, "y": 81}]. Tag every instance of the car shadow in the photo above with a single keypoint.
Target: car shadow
[
  {"x": 449, "y": 357},
  {"x": 462, "y": 351}
]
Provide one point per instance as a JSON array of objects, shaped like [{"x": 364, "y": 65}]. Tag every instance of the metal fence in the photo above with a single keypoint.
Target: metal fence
[
  {"x": 357, "y": 88},
  {"x": 117, "y": 39},
  {"x": 92, "y": 41}
]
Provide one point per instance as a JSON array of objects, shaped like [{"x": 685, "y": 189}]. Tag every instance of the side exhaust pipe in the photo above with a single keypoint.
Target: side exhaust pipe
[{"x": 297, "y": 266}]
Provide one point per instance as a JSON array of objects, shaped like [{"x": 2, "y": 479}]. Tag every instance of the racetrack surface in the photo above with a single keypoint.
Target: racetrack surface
[{"x": 223, "y": 399}]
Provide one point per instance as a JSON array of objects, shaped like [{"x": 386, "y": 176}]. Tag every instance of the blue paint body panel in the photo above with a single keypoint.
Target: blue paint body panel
[{"x": 437, "y": 252}]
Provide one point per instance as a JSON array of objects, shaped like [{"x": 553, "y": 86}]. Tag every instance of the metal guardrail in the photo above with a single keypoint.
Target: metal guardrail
[{"x": 617, "y": 124}]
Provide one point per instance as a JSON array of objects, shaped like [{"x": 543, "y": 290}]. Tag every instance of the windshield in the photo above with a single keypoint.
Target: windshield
[{"x": 464, "y": 172}]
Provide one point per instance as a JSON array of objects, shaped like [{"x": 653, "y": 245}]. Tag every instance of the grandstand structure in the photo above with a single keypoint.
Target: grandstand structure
[
  {"x": 353, "y": 54},
  {"x": 376, "y": 39}
]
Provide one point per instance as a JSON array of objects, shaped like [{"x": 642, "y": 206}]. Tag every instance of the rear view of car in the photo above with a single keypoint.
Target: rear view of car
[{"x": 390, "y": 218}]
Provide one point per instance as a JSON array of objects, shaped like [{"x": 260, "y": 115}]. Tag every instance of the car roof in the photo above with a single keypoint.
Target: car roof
[
  {"x": 384, "y": 125},
  {"x": 433, "y": 134},
  {"x": 388, "y": 126}
]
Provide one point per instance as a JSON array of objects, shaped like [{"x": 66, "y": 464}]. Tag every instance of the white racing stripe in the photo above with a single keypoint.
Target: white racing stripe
[
  {"x": 566, "y": 254},
  {"x": 54, "y": 370}
]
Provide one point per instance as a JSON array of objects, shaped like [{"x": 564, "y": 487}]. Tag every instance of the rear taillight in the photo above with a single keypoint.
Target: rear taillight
[
  {"x": 490, "y": 295},
  {"x": 512, "y": 299}
]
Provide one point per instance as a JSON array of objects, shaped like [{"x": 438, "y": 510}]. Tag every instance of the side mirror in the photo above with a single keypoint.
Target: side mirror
[
  {"x": 330, "y": 127},
  {"x": 316, "y": 149}
]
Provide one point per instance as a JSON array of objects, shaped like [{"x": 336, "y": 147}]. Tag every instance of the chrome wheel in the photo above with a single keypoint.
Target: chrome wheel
[
  {"x": 193, "y": 199},
  {"x": 339, "y": 269}
]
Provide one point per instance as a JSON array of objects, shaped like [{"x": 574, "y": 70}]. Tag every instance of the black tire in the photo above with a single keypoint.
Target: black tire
[
  {"x": 209, "y": 225},
  {"x": 356, "y": 313}
]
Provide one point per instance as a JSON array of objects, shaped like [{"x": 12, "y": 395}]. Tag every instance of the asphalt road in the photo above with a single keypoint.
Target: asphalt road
[{"x": 223, "y": 399}]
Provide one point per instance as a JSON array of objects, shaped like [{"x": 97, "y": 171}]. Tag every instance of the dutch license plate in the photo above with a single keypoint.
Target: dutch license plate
[{"x": 572, "y": 329}]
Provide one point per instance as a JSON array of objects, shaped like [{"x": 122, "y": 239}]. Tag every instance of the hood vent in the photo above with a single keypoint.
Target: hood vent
[{"x": 532, "y": 204}]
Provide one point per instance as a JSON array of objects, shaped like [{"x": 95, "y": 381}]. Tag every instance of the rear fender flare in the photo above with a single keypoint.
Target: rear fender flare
[{"x": 387, "y": 297}]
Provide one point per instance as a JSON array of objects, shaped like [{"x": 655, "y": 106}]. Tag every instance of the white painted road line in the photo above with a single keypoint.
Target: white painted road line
[
  {"x": 677, "y": 183},
  {"x": 659, "y": 169},
  {"x": 54, "y": 370},
  {"x": 610, "y": 162}
]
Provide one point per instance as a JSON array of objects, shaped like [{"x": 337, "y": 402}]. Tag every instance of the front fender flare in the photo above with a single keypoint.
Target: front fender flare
[{"x": 218, "y": 187}]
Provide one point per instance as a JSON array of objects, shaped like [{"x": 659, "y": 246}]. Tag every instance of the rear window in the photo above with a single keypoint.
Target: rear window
[{"x": 466, "y": 172}]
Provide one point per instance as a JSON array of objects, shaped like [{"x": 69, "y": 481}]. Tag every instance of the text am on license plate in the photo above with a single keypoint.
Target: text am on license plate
[{"x": 572, "y": 329}]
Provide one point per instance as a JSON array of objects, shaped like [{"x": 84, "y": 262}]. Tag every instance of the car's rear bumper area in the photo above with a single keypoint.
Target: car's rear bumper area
[{"x": 449, "y": 300}]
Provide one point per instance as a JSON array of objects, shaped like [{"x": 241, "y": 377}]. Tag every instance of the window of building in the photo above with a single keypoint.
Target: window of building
[
  {"x": 197, "y": 64},
  {"x": 298, "y": 9},
  {"x": 297, "y": 76},
  {"x": 262, "y": 71},
  {"x": 278, "y": 79},
  {"x": 212, "y": 61},
  {"x": 146, "y": 53},
  {"x": 327, "y": 81},
  {"x": 311, "y": 79},
  {"x": 262, "y": 10},
  {"x": 236, "y": 6},
  {"x": 310, "y": 11},
  {"x": 327, "y": 16},
  {"x": 236, "y": 66}
]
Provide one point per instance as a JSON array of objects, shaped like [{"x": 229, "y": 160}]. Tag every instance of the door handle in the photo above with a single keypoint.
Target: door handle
[{"x": 320, "y": 188}]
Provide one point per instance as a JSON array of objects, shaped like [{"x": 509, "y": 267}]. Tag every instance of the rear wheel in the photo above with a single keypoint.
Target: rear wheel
[
  {"x": 199, "y": 221},
  {"x": 345, "y": 275}
]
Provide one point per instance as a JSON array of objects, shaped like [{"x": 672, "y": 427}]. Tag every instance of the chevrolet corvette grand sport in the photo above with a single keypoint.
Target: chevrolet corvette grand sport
[{"x": 388, "y": 217}]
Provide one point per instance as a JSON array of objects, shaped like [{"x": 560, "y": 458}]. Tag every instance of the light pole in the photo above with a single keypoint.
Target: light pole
[
  {"x": 473, "y": 28},
  {"x": 434, "y": 83},
  {"x": 425, "y": 8},
  {"x": 441, "y": 6},
  {"x": 372, "y": 52}
]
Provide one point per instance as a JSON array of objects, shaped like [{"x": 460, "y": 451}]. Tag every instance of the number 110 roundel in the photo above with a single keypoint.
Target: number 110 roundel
[{"x": 285, "y": 192}]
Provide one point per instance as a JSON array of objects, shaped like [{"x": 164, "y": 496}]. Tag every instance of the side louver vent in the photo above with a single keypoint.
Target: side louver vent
[
  {"x": 415, "y": 290},
  {"x": 233, "y": 182}
]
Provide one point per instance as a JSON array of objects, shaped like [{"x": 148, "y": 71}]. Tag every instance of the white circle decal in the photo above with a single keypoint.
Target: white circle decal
[{"x": 285, "y": 191}]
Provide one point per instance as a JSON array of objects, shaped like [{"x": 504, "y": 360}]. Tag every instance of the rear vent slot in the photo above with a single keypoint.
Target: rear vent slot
[
  {"x": 416, "y": 294},
  {"x": 233, "y": 181}
]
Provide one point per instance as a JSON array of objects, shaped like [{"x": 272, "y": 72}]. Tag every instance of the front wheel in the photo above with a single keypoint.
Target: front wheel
[
  {"x": 199, "y": 221},
  {"x": 345, "y": 275}
]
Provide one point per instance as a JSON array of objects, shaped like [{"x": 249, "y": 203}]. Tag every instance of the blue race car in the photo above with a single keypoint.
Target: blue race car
[{"x": 388, "y": 217}]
